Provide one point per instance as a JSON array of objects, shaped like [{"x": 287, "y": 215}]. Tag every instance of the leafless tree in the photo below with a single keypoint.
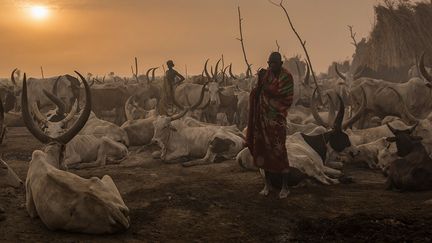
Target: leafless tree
[
  {"x": 248, "y": 70},
  {"x": 303, "y": 44}
]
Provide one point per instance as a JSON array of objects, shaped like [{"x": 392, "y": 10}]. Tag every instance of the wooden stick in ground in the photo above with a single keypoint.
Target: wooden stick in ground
[
  {"x": 303, "y": 44},
  {"x": 41, "y": 68},
  {"x": 248, "y": 70}
]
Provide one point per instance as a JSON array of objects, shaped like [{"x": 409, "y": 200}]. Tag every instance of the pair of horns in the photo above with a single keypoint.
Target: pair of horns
[
  {"x": 339, "y": 123},
  {"x": 69, "y": 134},
  {"x": 152, "y": 70},
  {"x": 356, "y": 76}
]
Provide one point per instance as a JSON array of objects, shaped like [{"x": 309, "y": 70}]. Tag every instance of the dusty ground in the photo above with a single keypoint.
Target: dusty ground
[{"x": 220, "y": 202}]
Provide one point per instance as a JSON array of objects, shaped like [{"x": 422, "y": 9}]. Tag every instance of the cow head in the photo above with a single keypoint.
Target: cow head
[
  {"x": 337, "y": 138},
  {"x": 55, "y": 134},
  {"x": 163, "y": 128},
  {"x": 8, "y": 176},
  {"x": 214, "y": 87},
  {"x": 405, "y": 142},
  {"x": 349, "y": 77},
  {"x": 115, "y": 151}
]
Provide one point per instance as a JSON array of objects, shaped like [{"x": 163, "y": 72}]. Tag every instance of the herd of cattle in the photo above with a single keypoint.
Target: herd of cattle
[{"x": 85, "y": 124}]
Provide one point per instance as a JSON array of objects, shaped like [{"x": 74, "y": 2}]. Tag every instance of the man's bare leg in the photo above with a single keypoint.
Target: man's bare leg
[
  {"x": 284, "y": 191},
  {"x": 267, "y": 185}
]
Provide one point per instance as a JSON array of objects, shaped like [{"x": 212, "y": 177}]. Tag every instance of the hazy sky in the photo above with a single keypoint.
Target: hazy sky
[{"x": 100, "y": 36}]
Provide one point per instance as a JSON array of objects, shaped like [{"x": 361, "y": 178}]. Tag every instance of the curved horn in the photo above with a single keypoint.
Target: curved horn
[
  {"x": 391, "y": 128},
  {"x": 339, "y": 73},
  {"x": 206, "y": 70},
  {"x": 180, "y": 115},
  {"x": 153, "y": 73},
  {"x": 359, "y": 113},
  {"x": 340, "y": 115},
  {"x": 28, "y": 120},
  {"x": 307, "y": 76},
  {"x": 72, "y": 112},
  {"x": 224, "y": 74},
  {"x": 359, "y": 72},
  {"x": 57, "y": 101},
  {"x": 93, "y": 81},
  {"x": 332, "y": 112},
  {"x": 147, "y": 75},
  {"x": 201, "y": 98},
  {"x": 411, "y": 130},
  {"x": 38, "y": 115},
  {"x": 315, "y": 113},
  {"x": 79, "y": 124},
  {"x": 129, "y": 116},
  {"x": 13, "y": 77},
  {"x": 423, "y": 70},
  {"x": 407, "y": 113},
  {"x": 55, "y": 86},
  {"x": 230, "y": 72},
  {"x": 216, "y": 71}
]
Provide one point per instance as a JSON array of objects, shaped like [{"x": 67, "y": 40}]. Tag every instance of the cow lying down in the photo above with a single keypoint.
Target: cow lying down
[
  {"x": 62, "y": 200},
  {"x": 413, "y": 170},
  {"x": 302, "y": 158},
  {"x": 179, "y": 139},
  {"x": 313, "y": 154},
  {"x": 85, "y": 151}
]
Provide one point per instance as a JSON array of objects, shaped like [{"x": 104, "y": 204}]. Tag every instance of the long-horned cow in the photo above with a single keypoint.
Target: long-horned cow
[{"x": 62, "y": 200}]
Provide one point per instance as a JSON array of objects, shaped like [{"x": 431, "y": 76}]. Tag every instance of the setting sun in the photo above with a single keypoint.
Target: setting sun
[{"x": 39, "y": 12}]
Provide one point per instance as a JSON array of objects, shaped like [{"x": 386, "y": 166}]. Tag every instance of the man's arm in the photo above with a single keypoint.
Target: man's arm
[
  {"x": 283, "y": 98},
  {"x": 180, "y": 76}
]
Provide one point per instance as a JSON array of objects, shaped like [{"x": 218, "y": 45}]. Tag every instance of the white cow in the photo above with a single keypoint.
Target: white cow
[
  {"x": 85, "y": 151},
  {"x": 177, "y": 140},
  {"x": 62, "y": 200}
]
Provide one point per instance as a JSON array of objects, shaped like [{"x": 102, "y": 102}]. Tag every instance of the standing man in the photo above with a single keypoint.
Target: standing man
[
  {"x": 266, "y": 133},
  {"x": 173, "y": 78}
]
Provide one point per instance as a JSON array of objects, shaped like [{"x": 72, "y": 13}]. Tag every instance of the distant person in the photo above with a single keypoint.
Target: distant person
[
  {"x": 266, "y": 132},
  {"x": 173, "y": 78}
]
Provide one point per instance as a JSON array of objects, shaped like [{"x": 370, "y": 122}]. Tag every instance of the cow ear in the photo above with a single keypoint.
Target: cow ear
[{"x": 391, "y": 139}]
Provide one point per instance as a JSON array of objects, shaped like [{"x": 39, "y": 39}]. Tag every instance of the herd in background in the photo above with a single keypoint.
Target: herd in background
[{"x": 354, "y": 119}]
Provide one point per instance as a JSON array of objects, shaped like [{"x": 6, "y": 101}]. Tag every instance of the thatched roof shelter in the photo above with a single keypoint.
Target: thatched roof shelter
[{"x": 402, "y": 32}]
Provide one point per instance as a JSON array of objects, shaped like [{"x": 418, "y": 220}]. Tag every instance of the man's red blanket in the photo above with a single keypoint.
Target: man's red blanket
[{"x": 268, "y": 107}]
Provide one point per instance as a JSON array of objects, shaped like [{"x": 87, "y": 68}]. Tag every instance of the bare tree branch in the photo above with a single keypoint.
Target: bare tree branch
[
  {"x": 353, "y": 35},
  {"x": 278, "y": 47},
  {"x": 248, "y": 70},
  {"x": 303, "y": 43}
]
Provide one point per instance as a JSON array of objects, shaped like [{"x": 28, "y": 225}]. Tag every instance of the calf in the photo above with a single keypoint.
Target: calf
[{"x": 82, "y": 150}]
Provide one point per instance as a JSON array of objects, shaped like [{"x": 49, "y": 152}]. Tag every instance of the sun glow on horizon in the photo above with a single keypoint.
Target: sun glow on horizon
[{"x": 39, "y": 12}]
